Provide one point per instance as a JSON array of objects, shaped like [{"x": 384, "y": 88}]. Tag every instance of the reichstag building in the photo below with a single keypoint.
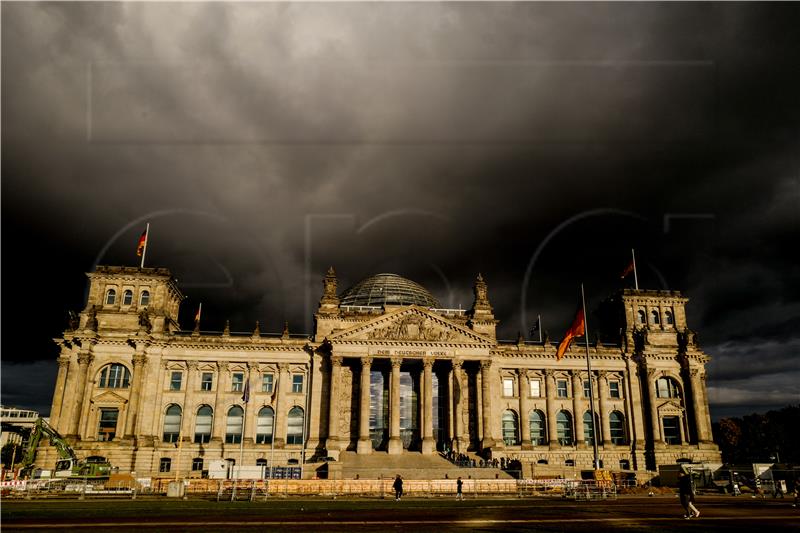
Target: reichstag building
[{"x": 386, "y": 372}]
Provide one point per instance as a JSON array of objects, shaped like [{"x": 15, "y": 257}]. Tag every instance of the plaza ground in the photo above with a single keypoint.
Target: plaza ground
[{"x": 627, "y": 513}]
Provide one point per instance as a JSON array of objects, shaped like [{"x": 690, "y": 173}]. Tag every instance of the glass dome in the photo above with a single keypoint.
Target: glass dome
[{"x": 387, "y": 289}]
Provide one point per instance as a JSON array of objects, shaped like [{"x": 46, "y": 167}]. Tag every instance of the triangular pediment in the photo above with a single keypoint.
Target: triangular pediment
[
  {"x": 412, "y": 324},
  {"x": 109, "y": 397},
  {"x": 670, "y": 407}
]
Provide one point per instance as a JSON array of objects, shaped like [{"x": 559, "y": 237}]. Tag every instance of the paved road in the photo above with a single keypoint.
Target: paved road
[{"x": 628, "y": 514}]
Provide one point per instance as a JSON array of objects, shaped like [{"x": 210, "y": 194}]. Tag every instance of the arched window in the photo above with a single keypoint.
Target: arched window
[
  {"x": 127, "y": 297},
  {"x": 667, "y": 387},
  {"x": 233, "y": 427},
  {"x": 172, "y": 423},
  {"x": 616, "y": 421},
  {"x": 668, "y": 318},
  {"x": 510, "y": 428},
  {"x": 294, "y": 432},
  {"x": 266, "y": 420},
  {"x": 564, "y": 428},
  {"x": 202, "y": 424},
  {"x": 538, "y": 428},
  {"x": 641, "y": 316},
  {"x": 656, "y": 318},
  {"x": 111, "y": 297},
  {"x": 115, "y": 376},
  {"x": 144, "y": 299},
  {"x": 588, "y": 428}
]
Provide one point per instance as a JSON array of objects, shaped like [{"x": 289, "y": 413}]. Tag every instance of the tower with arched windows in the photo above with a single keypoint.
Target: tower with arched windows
[{"x": 387, "y": 370}]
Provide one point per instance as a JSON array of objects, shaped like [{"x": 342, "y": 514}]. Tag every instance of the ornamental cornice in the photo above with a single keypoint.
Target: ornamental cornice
[{"x": 415, "y": 344}]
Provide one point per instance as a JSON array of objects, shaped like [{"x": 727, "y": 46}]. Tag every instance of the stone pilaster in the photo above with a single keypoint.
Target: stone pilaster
[
  {"x": 85, "y": 359},
  {"x": 523, "y": 384},
  {"x": 633, "y": 400},
  {"x": 459, "y": 442},
  {"x": 486, "y": 400},
  {"x": 332, "y": 444},
  {"x": 281, "y": 413},
  {"x": 655, "y": 423},
  {"x": 139, "y": 362},
  {"x": 220, "y": 416},
  {"x": 364, "y": 439},
  {"x": 61, "y": 384},
  {"x": 602, "y": 400},
  {"x": 428, "y": 444},
  {"x": 550, "y": 405},
  {"x": 395, "y": 442},
  {"x": 577, "y": 408}
]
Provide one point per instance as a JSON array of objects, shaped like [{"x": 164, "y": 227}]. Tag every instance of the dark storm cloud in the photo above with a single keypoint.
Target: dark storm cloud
[{"x": 265, "y": 142}]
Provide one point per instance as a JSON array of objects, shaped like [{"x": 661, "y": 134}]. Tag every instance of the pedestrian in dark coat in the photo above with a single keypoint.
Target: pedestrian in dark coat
[
  {"x": 686, "y": 492},
  {"x": 459, "y": 488},
  {"x": 398, "y": 487}
]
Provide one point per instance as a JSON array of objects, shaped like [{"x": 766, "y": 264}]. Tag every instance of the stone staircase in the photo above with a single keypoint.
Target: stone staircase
[{"x": 410, "y": 465}]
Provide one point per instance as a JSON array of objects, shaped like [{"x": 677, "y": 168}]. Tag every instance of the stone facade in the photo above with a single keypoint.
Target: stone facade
[{"x": 153, "y": 399}]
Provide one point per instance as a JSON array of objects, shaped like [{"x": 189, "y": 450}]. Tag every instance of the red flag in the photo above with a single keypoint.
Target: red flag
[
  {"x": 142, "y": 244},
  {"x": 575, "y": 330},
  {"x": 199, "y": 310},
  {"x": 628, "y": 270}
]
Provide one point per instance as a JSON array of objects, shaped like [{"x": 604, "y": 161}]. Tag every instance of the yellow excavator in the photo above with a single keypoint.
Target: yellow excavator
[{"x": 68, "y": 465}]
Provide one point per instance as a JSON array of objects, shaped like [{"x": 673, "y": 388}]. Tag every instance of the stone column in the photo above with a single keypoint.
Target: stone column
[
  {"x": 602, "y": 400},
  {"x": 654, "y": 421},
  {"x": 698, "y": 406},
  {"x": 524, "y": 409},
  {"x": 220, "y": 415},
  {"x": 459, "y": 443},
  {"x": 577, "y": 407},
  {"x": 550, "y": 405},
  {"x": 395, "y": 443},
  {"x": 633, "y": 399},
  {"x": 61, "y": 384},
  {"x": 486, "y": 401},
  {"x": 706, "y": 417},
  {"x": 281, "y": 414},
  {"x": 364, "y": 439},
  {"x": 428, "y": 443},
  {"x": 85, "y": 358},
  {"x": 139, "y": 361},
  {"x": 332, "y": 443}
]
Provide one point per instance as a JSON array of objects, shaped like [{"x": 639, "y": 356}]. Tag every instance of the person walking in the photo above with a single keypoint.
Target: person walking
[
  {"x": 686, "y": 492},
  {"x": 459, "y": 489},
  {"x": 398, "y": 487}
]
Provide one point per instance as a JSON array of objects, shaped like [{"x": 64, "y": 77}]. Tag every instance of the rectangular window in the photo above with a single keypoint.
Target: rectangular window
[
  {"x": 207, "y": 381},
  {"x": 107, "y": 427},
  {"x": 165, "y": 464},
  {"x": 508, "y": 386},
  {"x": 613, "y": 389},
  {"x": 197, "y": 464},
  {"x": 267, "y": 381},
  {"x": 587, "y": 391},
  {"x": 672, "y": 432},
  {"x": 536, "y": 388},
  {"x": 175, "y": 381},
  {"x": 297, "y": 383},
  {"x": 561, "y": 388},
  {"x": 237, "y": 382}
]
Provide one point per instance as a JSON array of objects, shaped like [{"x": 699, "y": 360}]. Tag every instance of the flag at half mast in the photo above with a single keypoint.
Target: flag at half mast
[
  {"x": 199, "y": 312},
  {"x": 575, "y": 330},
  {"x": 246, "y": 395},
  {"x": 142, "y": 243}
]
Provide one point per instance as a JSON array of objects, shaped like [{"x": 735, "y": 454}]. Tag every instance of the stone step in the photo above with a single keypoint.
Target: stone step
[{"x": 409, "y": 465}]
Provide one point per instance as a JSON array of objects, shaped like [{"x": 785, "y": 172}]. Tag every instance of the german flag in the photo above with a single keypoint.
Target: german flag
[
  {"x": 628, "y": 270},
  {"x": 575, "y": 330},
  {"x": 142, "y": 244}
]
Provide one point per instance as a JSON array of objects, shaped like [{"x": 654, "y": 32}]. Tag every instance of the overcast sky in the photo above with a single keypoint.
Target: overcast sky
[{"x": 534, "y": 143}]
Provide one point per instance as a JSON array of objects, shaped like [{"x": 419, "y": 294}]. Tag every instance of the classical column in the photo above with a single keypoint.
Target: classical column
[
  {"x": 654, "y": 421},
  {"x": 139, "y": 360},
  {"x": 220, "y": 416},
  {"x": 486, "y": 401},
  {"x": 61, "y": 383},
  {"x": 550, "y": 405},
  {"x": 524, "y": 408},
  {"x": 395, "y": 443},
  {"x": 364, "y": 439},
  {"x": 577, "y": 407},
  {"x": 634, "y": 402},
  {"x": 459, "y": 443},
  {"x": 698, "y": 406},
  {"x": 85, "y": 358},
  {"x": 281, "y": 415},
  {"x": 706, "y": 417},
  {"x": 428, "y": 444},
  {"x": 602, "y": 391},
  {"x": 332, "y": 444}
]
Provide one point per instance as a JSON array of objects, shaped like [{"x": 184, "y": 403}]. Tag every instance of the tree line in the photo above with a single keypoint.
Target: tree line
[{"x": 760, "y": 438}]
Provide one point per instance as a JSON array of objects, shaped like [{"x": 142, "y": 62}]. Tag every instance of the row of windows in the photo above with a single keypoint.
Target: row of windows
[
  {"x": 127, "y": 297},
  {"x": 237, "y": 382},
  {"x": 204, "y": 423},
  {"x": 538, "y": 428},
  {"x": 655, "y": 317},
  {"x": 165, "y": 464},
  {"x": 562, "y": 388}
]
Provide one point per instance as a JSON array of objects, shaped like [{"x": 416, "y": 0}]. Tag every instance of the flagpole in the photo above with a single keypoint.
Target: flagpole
[
  {"x": 591, "y": 389},
  {"x": 146, "y": 238},
  {"x": 635, "y": 277},
  {"x": 539, "y": 319}
]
